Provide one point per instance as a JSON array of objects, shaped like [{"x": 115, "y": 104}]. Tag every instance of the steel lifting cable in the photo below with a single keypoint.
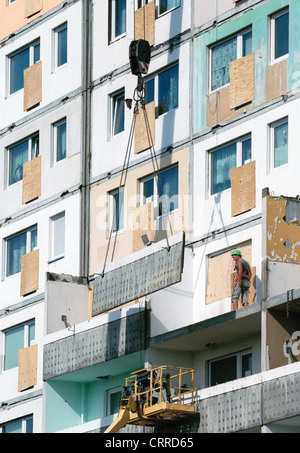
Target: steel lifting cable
[{"x": 138, "y": 96}]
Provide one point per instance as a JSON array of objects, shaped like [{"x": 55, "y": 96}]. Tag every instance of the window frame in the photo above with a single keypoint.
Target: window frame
[
  {"x": 26, "y": 340},
  {"x": 56, "y": 32},
  {"x": 113, "y": 37},
  {"x": 239, "y": 54},
  {"x": 55, "y": 127},
  {"x": 31, "y": 46},
  {"x": 113, "y": 110},
  {"x": 167, "y": 10},
  {"x": 109, "y": 392},
  {"x": 52, "y": 237},
  {"x": 239, "y": 356},
  {"x": 28, "y": 232},
  {"x": 156, "y": 88},
  {"x": 33, "y": 152},
  {"x": 112, "y": 216},
  {"x": 24, "y": 422},
  {"x": 273, "y": 19},
  {"x": 272, "y": 126},
  {"x": 140, "y": 3},
  {"x": 155, "y": 197},
  {"x": 239, "y": 159}
]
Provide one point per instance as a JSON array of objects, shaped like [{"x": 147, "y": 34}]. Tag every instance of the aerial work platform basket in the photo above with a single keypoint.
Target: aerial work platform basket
[{"x": 156, "y": 395}]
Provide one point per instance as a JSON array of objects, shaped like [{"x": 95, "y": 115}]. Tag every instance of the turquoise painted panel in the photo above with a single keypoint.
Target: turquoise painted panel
[{"x": 258, "y": 18}]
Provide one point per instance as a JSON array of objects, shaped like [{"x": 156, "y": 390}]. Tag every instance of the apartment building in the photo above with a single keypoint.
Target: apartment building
[{"x": 118, "y": 213}]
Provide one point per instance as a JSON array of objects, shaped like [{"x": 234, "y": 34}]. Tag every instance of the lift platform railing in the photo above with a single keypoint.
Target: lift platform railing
[{"x": 162, "y": 384}]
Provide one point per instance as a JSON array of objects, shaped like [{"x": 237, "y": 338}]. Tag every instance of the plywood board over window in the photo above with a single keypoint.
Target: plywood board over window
[
  {"x": 144, "y": 23},
  {"x": 27, "y": 368},
  {"x": 242, "y": 75},
  {"x": 243, "y": 193},
  {"x": 218, "y": 106},
  {"x": 32, "y": 7},
  {"x": 143, "y": 223},
  {"x": 143, "y": 136},
  {"x": 32, "y": 86},
  {"x": 276, "y": 80},
  {"x": 29, "y": 273},
  {"x": 31, "y": 180},
  {"x": 220, "y": 270}
]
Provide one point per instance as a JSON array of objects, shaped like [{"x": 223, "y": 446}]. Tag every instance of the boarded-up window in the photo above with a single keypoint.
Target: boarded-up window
[
  {"x": 31, "y": 180},
  {"x": 242, "y": 188},
  {"x": 32, "y": 86},
  {"x": 27, "y": 368},
  {"x": 29, "y": 273},
  {"x": 241, "y": 81},
  {"x": 220, "y": 271},
  {"x": 32, "y": 7},
  {"x": 144, "y": 137},
  {"x": 144, "y": 23}
]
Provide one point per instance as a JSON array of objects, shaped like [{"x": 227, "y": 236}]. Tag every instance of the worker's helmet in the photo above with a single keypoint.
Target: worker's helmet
[{"x": 236, "y": 252}]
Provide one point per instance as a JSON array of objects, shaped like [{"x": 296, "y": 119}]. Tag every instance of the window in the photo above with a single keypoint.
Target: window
[
  {"x": 279, "y": 143},
  {"x": 162, "y": 190},
  {"x": 279, "y": 35},
  {"x": 166, "y": 5},
  {"x": 20, "y": 425},
  {"x": 57, "y": 236},
  {"x": 229, "y": 368},
  {"x": 141, "y": 3},
  {"x": 61, "y": 45},
  {"x": 15, "y": 338},
  {"x": 163, "y": 89},
  {"x": 18, "y": 62},
  {"x": 20, "y": 153},
  {"x": 117, "y": 18},
  {"x": 117, "y": 209},
  {"x": 18, "y": 245},
  {"x": 225, "y": 52},
  {"x": 117, "y": 113},
  {"x": 113, "y": 400},
  {"x": 60, "y": 139},
  {"x": 224, "y": 159}
]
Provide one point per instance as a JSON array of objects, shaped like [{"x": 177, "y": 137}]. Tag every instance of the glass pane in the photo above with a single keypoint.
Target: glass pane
[
  {"x": 221, "y": 56},
  {"x": 281, "y": 144},
  {"x": 115, "y": 399},
  {"x": 18, "y": 155},
  {"x": 165, "y": 5},
  {"x": 29, "y": 425},
  {"x": 14, "y": 340},
  {"x": 16, "y": 247},
  {"x": 18, "y": 63},
  {"x": 118, "y": 114},
  {"x": 246, "y": 151},
  {"x": 118, "y": 210},
  {"x": 36, "y": 53},
  {"x": 222, "y": 161},
  {"x": 148, "y": 189},
  {"x": 59, "y": 236},
  {"x": 223, "y": 370},
  {"x": 247, "y": 43},
  {"x": 120, "y": 15},
  {"x": 168, "y": 90},
  {"x": 61, "y": 137},
  {"x": 62, "y": 46},
  {"x": 14, "y": 427},
  {"x": 246, "y": 365},
  {"x": 31, "y": 333},
  {"x": 168, "y": 186},
  {"x": 33, "y": 239},
  {"x": 282, "y": 35},
  {"x": 149, "y": 88}
]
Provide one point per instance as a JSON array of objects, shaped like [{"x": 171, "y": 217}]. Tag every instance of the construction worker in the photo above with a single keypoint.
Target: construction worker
[{"x": 242, "y": 278}]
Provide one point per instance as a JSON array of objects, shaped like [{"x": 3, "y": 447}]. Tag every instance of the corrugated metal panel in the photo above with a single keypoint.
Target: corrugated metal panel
[
  {"x": 138, "y": 278},
  {"x": 106, "y": 342}
]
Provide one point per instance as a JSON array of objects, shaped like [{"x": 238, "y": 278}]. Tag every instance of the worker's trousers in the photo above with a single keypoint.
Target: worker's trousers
[{"x": 243, "y": 289}]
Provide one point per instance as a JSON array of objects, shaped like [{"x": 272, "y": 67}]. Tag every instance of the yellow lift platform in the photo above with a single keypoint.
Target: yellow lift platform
[{"x": 156, "y": 395}]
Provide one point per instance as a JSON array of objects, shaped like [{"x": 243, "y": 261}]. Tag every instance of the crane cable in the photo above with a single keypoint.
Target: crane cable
[{"x": 139, "y": 98}]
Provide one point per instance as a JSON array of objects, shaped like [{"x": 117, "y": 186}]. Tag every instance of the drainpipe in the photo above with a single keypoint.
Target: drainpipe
[{"x": 87, "y": 59}]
